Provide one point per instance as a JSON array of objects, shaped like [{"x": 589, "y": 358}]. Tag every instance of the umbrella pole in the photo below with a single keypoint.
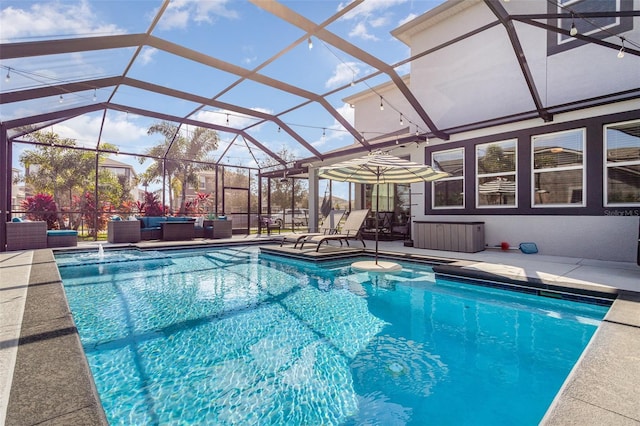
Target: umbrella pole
[{"x": 377, "y": 207}]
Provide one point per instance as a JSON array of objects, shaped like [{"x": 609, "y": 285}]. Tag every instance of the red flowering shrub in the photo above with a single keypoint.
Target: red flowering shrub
[
  {"x": 89, "y": 209},
  {"x": 151, "y": 205},
  {"x": 42, "y": 207}
]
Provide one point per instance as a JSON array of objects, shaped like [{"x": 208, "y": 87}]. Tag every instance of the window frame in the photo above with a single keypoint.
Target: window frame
[
  {"x": 451, "y": 178},
  {"x": 496, "y": 174},
  {"x": 583, "y": 167},
  {"x": 607, "y": 165}
]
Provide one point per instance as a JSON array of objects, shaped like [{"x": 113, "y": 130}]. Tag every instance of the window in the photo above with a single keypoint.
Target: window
[
  {"x": 599, "y": 27},
  {"x": 558, "y": 169},
  {"x": 496, "y": 174},
  {"x": 392, "y": 197},
  {"x": 622, "y": 164},
  {"x": 449, "y": 192},
  {"x": 380, "y": 197}
]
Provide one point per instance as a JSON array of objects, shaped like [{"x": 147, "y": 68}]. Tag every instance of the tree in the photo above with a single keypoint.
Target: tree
[
  {"x": 116, "y": 188},
  {"x": 93, "y": 213},
  {"x": 282, "y": 189},
  {"x": 181, "y": 157},
  {"x": 56, "y": 166},
  {"x": 496, "y": 160}
]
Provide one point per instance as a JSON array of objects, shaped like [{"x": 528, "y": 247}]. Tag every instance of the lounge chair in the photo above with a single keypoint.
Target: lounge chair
[
  {"x": 329, "y": 226},
  {"x": 349, "y": 231}
]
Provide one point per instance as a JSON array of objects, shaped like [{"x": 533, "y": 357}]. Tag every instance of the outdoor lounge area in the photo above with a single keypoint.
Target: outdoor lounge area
[{"x": 480, "y": 146}]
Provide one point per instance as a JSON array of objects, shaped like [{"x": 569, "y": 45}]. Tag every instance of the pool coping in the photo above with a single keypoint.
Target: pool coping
[{"x": 52, "y": 381}]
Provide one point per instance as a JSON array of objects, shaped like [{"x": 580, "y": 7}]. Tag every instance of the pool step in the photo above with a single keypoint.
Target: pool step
[{"x": 229, "y": 256}]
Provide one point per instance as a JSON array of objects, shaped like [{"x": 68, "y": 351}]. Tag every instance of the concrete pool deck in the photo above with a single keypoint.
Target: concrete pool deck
[{"x": 44, "y": 377}]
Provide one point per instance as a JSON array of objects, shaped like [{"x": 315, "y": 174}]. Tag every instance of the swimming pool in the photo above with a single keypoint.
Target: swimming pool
[{"x": 233, "y": 336}]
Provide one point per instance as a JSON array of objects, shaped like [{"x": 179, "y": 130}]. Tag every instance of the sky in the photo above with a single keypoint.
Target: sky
[{"x": 236, "y": 32}]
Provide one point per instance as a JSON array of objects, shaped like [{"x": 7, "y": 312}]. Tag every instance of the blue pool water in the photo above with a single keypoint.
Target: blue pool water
[{"x": 232, "y": 336}]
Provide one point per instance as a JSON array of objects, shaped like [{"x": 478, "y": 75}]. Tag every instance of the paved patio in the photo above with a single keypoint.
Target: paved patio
[{"x": 44, "y": 376}]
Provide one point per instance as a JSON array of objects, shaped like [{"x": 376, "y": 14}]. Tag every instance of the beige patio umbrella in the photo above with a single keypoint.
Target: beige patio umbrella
[{"x": 376, "y": 168}]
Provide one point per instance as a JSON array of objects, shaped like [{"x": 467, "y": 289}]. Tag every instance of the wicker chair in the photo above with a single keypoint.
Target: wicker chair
[{"x": 123, "y": 231}]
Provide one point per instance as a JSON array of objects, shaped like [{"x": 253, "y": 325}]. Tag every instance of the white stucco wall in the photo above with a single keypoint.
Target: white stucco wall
[
  {"x": 479, "y": 78},
  {"x": 611, "y": 238}
]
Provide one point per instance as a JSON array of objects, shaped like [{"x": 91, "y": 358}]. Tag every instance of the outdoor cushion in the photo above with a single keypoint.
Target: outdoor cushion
[
  {"x": 154, "y": 221},
  {"x": 61, "y": 233}
]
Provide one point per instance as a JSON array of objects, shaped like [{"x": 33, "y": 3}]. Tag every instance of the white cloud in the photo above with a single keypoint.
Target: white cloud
[
  {"x": 236, "y": 120},
  {"x": 181, "y": 12},
  {"x": 343, "y": 73},
  {"x": 118, "y": 130},
  {"x": 250, "y": 60},
  {"x": 174, "y": 18},
  {"x": 250, "y": 56},
  {"x": 370, "y": 13},
  {"x": 379, "y": 22},
  {"x": 215, "y": 7},
  {"x": 347, "y": 112},
  {"x": 336, "y": 132},
  {"x": 44, "y": 19},
  {"x": 370, "y": 8},
  {"x": 409, "y": 17},
  {"x": 147, "y": 54},
  {"x": 360, "y": 31}
]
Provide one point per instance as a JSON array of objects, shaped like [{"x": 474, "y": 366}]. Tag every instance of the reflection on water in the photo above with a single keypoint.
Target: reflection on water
[{"x": 228, "y": 337}]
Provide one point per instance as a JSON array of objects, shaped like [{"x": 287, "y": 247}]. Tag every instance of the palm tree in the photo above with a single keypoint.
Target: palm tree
[{"x": 181, "y": 157}]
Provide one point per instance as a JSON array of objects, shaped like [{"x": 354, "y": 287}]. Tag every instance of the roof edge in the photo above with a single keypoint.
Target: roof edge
[
  {"x": 373, "y": 91},
  {"x": 430, "y": 18}
]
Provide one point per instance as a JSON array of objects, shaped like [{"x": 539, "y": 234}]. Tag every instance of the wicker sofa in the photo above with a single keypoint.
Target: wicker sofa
[
  {"x": 151, "y": 227},
  {"x": 62, "y": 238},
  {"x": 26, "y": 235}
]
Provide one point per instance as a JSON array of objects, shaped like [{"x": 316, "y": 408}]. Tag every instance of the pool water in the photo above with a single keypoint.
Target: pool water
[{"x": 233, "y": 336}]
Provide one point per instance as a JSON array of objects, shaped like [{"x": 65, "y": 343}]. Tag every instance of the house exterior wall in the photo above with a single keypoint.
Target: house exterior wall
[
  {"x": 17, "y": 190},
  {"x": 124, "y": 171},
  {"x": 478, "y": 79},
  {"x": 592, "y": 230}
]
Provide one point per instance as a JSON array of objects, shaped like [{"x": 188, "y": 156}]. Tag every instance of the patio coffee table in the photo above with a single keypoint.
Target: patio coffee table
[{"x": 175, "y": 231}]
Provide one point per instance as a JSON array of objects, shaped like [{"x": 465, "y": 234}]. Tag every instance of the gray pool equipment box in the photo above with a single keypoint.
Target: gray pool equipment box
[{"x": 467, "y": 237}]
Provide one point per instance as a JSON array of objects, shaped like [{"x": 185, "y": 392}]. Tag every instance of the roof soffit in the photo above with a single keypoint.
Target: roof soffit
[{"x": 438, "y": 14}]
